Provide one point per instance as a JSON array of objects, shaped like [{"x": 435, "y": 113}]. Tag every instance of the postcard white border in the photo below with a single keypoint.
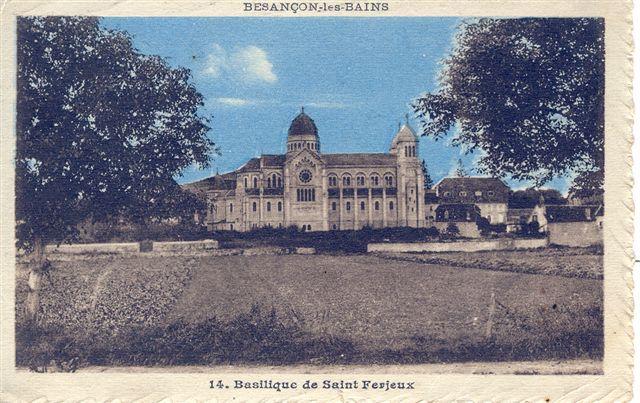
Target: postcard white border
[{"x": 613, "y": 385}]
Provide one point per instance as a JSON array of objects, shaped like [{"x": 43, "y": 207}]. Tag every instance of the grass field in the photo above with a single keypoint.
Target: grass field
[
  {"x": 558, "y": 261},
  {"x": 379, "y": 310}
]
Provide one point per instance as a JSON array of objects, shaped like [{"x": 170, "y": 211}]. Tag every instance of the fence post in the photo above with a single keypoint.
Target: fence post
[{"x": 492, "y": 309}]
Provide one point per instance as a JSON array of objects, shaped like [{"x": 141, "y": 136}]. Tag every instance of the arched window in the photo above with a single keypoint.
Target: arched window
[
  {"x": 273, "y": 180},
  {"x": 391, "y": 205},
  {"x": 255, "y": 206},
  {"x": 268, "y": 182},
  {"x": 268, "y": 206},
  {"x": 333, "y": 206},
  {"x": 348, "y": 206},
  {"x": 279, "y": 206},
  {"x": 376, "y": 205},
  {"x": 231, "y": 207},
  {"x": 388, "y": 180},
  {"x": 446, "y": 214},
  {"x": 246, "y": 184},
  {"x": 279, "y": 182},
  {"x": 360, "y": 180},
  {"x": 362, "y": 206},
  {"x": 346, "y": 180},
  {"x": 375, "y": 180},
  {"x": 333, "y": 181},
  {"x": 255, "y": 182}
]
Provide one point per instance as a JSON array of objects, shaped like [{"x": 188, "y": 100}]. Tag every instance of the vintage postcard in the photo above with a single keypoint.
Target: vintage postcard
[{"x": 316, "y": 201}]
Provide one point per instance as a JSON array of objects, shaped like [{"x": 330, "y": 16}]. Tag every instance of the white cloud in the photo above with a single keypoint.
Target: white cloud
[
  {"x": 326, "y": 105},
  {"x": 249, "y": 64},
  {"x": 235, "y": 101},
  {"x": 255, "y": 64},
  {"x": 216, "y": 61},
  {"x": 239, "y": 102}
]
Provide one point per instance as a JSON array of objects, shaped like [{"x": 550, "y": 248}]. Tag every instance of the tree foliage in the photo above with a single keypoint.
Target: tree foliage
[
  {"x": 588, "y": 184},
  {"x": 428, "y": 182},
  {"x": 101, "y": 129},
  {"x": 461, "y": 172},
  {"x": 528, "y": 93},
  {"x": 528, "y": 198}
]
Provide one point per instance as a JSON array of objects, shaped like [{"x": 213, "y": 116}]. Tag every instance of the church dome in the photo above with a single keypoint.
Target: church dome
[{"x": 302, "y": 125}]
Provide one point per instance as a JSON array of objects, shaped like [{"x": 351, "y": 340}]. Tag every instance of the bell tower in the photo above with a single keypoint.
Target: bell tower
[{"x": 410, "y": 178}]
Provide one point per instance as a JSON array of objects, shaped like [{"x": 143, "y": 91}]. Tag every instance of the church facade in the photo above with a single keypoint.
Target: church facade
[{"x": 320, "y": 192}]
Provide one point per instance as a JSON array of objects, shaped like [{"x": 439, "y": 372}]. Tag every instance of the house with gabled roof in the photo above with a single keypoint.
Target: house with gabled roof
[{"x": 491, "y": 195}]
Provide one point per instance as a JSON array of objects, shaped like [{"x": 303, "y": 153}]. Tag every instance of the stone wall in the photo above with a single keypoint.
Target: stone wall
[
  {"x": 191, "y": 248},
  {"x": 582, "y": 233},
  {"x": 132, "y": 247},
  {"x": 459, "y": 246},
  {"x": 78, "y": 249},
  {"x": 185, "y": 246}
]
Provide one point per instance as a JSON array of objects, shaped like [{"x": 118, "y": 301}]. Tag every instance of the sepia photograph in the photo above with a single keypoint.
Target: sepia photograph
[{"x": 195, "y": 193}]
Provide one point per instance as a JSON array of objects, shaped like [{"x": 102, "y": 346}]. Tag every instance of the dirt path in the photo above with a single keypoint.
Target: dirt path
[{"x": 581, "y": 367}]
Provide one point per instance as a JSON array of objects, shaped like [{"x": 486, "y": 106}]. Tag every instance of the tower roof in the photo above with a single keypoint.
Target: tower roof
[
  {"x": 405, "y": 133},
  {"x": 302, "y": 124}
]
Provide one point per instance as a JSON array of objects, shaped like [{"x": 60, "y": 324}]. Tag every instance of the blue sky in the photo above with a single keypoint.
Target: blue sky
[{"x": 355, "y": 77}]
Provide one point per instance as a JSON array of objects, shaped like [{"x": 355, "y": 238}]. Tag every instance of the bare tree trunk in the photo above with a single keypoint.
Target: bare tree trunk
[
  {"x": 492, "y": 310},
  {"x": 35, "y": 280}
]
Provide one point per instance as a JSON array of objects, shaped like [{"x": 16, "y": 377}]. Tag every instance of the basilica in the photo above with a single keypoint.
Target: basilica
[{"x": 320, "y": 192}]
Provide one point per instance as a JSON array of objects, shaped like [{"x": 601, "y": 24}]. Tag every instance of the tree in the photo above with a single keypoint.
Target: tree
[
  {"x": 428, "y": 182},
  {"x": 101, "y": 132},
  {"x": 528, "y": 93},
  {"x": 528, "y": 198},
  {"x": 452, "y": 230},
  {"x": 588, "y": 184},
  {"x": 461, "y": 172}
]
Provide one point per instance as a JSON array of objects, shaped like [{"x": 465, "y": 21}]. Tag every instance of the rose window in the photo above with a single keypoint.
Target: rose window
[{"x": 305, "y": 176}]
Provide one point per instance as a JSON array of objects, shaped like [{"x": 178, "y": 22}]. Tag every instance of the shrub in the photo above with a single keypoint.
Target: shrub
[
  {"x": 258, "y": 336},
  {"x": 158, "y": 231},
  {"x": 432, "y": 232},
  {"x": 531, "y": 229},
  {"x": 452, "y": 230},
  {"x": 486, "y": 228}
]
